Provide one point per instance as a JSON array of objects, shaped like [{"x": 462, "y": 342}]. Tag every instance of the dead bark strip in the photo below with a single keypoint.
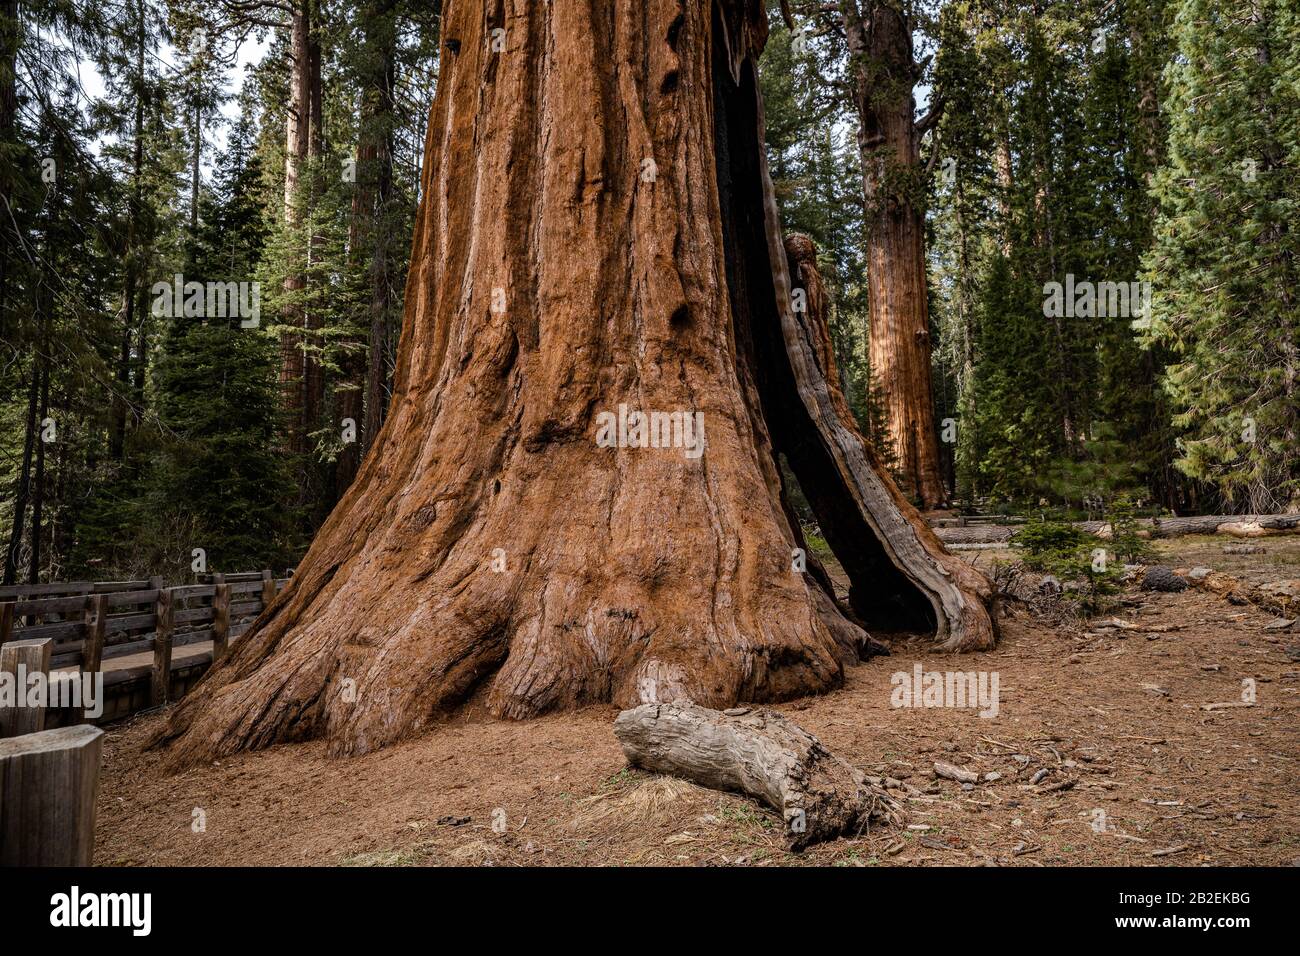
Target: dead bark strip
[
  {"x": 760, "y": 754},
  {"x": 1238, "y": 526},
  {"x": 961, "y": 598}
]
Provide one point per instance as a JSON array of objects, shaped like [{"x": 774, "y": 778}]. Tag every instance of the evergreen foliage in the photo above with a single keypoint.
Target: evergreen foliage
[{"x": 1101, "y": 141}]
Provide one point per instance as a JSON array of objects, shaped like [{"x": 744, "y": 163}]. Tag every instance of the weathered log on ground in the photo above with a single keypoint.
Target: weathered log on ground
[
  {"x": 1238, "y": 526},
  {"x": 1277, "y": 597},
  {"x": 763, "y": 755}
]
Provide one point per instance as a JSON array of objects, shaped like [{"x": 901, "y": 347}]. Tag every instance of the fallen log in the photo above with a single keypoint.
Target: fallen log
[
  {"x": 1238, "y": 526},
  {"x": 1277, "y": 597},
  {"x": 763, "y": 755}
]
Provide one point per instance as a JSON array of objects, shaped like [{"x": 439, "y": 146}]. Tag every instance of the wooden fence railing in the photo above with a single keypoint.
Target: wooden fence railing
[{"x": 91, "y": 623}]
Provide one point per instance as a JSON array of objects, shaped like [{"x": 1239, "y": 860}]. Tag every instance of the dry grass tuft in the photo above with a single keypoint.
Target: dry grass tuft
[{"x": 652, "y": 800}]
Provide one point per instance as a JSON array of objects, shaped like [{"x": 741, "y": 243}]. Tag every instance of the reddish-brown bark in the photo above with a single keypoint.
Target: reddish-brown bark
[{"x": 489, "y": 548}]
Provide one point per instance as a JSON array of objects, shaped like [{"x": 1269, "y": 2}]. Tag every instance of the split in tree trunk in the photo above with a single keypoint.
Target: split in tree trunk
[
  {"x": 763, "y": 755},
  {"x": 597, "y": 229}
]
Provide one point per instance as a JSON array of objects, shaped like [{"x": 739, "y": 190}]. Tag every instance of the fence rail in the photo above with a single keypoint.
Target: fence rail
[{"x": 92, "y": 623}]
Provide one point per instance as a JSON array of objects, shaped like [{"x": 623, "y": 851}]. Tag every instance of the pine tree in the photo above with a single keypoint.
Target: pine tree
[
  {"x": 1224, "y": 265},
  {"x": 217, "y": 473}
]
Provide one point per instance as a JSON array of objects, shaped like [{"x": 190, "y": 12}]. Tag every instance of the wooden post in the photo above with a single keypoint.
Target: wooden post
[
  {"x": 6, "y": 621},
  {"x": 160, "y": 684},
  {"x": 48, "y": 785},
  {"x": 96, "y": 620},
  {"x": 33, "y": 657},
  {"x": 220, "y": 622},
  {"x": 268, "y": 589}
]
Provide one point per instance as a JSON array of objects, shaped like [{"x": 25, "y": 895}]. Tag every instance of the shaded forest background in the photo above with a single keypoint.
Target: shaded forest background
[{"x": 1111, "y": 142}]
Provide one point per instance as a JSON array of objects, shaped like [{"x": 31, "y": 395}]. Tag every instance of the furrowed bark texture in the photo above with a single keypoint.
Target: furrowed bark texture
[
  {"x": 763, "y": 755},
  {"x": 596, "y": 229}
]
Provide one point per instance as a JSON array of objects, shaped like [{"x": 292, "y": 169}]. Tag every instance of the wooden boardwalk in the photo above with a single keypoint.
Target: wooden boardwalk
[{"x": 150, "y": 641}]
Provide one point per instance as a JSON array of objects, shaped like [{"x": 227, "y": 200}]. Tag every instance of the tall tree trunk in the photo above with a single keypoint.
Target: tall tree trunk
[
  {"x": 1003, "y": 172},
  {"x": 492, "y": 546},
  {"x": 352, "y": 393},
  {"x": 196, "y": 156},
  {"x": 368, "y": 238},
  {"x": 1274, "y": 156},
  {"x": 381, "y": 304},
  {"x": 23, "y": 490},
  {"x": 381, "y": 274},
  {"x": 38, "y": 491},
  {"x": 1148, "y": 39},
  {"x": 62, "y": 519},
  {"x": 143, "y": 329},
  {"x": 889, "y": 141},
  {"x": 121, "y": 401},
  {"x": 296, "y": 140},
  {"x": 10, "y": 37},
  {"x": 313, "y": 378}
]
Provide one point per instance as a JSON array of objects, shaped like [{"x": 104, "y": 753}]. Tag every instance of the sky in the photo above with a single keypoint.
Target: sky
[{"x": 250, "y": 52}]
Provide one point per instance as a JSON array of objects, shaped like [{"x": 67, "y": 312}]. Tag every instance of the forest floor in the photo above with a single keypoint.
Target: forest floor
[{"x": 1157, "y": 778}]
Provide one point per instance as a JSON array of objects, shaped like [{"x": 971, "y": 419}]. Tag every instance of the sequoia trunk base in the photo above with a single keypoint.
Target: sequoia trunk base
[
  {"x": 763, "y": 755},
  {"x": 597, "y": 237}
]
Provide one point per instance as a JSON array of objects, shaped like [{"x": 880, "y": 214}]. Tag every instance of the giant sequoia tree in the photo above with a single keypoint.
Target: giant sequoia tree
[{"x": 597, "y": 228}]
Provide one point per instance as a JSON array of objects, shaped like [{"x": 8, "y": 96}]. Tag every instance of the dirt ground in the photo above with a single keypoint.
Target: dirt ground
[{"x": 1114, "y": 715}]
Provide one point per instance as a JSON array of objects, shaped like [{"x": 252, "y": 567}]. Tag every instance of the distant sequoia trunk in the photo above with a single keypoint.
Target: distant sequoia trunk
[
  {"x": 597, "y": 228},
  {"x": 885, "y": 72}
]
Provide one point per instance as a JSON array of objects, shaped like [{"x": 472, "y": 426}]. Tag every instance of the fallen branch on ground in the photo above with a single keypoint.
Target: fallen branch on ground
[
  {"x": 763, "y": 755},
  {"x": 1277, "y": 597}
]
